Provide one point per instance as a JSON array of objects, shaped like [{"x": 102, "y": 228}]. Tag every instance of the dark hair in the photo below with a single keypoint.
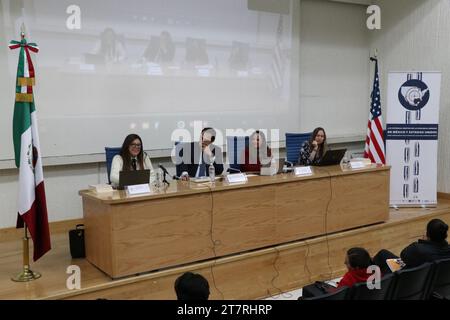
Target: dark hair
[
  {"x": 192, "y": 286},
  {"x": 264, "y": 150},
  {"x": 437, "y": 230},
  {"x": 125, "y": 153},
  {"x": 359, "y": 258},
  {"x": 211, "y": 131},
  {"x": 104, "y": 44},
  {"x": 323, "y": 147},
  {"x": 261, "y": 134}
]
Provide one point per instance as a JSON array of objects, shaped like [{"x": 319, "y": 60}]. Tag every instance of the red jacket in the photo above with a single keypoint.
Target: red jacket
[
  {"x": 247, "y": 166},
  {"x": 354, "y": 276}
]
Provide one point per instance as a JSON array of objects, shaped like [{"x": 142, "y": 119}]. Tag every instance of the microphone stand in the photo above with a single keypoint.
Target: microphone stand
[{"x": 164, "y": 178}]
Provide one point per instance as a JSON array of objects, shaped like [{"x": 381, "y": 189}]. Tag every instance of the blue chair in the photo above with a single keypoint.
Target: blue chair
[
  {"x": 235, "y": 148},
  {"x": 294, "y": 142},
  {"x": 110, "y": 152}
]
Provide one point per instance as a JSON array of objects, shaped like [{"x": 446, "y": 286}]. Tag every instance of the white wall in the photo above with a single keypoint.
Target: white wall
[
  {"x": 334, "y": 68},
  {"x": 414, "y": 35}
]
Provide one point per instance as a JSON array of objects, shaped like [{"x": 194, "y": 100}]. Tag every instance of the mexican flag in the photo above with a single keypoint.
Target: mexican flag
[{"x": 32, "y": 204}]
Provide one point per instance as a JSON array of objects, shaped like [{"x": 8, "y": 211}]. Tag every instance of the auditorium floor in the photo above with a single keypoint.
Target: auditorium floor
[{"x": 53, "y": 265}]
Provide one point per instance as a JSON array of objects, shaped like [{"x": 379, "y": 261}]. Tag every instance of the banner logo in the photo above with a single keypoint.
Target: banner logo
[{"x": 414, "y": 94}]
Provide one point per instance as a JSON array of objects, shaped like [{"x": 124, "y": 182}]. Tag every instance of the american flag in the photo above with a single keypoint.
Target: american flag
[
  {"x": 374, "y": 149},
  {"x": 277, "y": 67}
]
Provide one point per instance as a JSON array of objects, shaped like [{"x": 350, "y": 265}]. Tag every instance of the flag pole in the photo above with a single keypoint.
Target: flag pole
[{"x": 26, "y": 275}]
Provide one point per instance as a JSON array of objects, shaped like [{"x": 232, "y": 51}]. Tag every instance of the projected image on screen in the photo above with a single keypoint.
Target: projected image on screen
[{"x": 144, "y": 66}]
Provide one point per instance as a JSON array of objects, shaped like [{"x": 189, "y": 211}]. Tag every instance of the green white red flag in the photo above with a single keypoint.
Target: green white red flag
[{"x": 32, "y": 206}]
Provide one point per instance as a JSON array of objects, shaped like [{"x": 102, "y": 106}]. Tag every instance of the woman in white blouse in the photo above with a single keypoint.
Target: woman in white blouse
[{"x": 131, "y": 157}]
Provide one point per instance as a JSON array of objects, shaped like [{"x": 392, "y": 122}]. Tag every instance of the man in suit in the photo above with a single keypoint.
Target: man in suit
[{"x": 197, "y": 156}]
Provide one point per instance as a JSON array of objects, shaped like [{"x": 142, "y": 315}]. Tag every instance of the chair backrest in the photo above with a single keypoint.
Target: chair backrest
[
  {"x": 360, "y": 291},
  {"x": 440, "y": 284},
  {"x": 110, "y": 152},
  {"x": 294, "y": 142},
  {"x": 413, "y": 283},
  {"x": 340, "y": 294},
  {"x": 235, "y": 149}
]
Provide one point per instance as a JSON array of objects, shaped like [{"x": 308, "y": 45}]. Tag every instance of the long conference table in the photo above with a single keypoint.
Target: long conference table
[{"x": 188, "y": 222}]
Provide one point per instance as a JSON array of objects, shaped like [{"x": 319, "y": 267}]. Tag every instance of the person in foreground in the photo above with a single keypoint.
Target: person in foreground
[
  {"x": 357, "y": 261},
  {"x": 256, "y": 153},
  {"x": 312, "y": 150},
  {"x": 432, "y": 247},
  {"x": 197, "y": 156},
  {"x": 131, "y": 157},
  {"x": 191, "y": 286}
]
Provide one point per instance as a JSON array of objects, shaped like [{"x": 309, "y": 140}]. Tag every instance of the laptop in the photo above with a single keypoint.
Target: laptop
[
  {"x": 332, "y": 157},
  {"x": 131, "y": 178},
  {"x": 266, "y": 168}
]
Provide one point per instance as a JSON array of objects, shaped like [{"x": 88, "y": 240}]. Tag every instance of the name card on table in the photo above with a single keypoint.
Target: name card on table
[
  {"x": 236, "y": 178},
  {"x": 303, "y": 171},
  {"x": 357, "y": 165},
  {"x": 101, "y": 188},
  {"x": 138, "y": 189}
]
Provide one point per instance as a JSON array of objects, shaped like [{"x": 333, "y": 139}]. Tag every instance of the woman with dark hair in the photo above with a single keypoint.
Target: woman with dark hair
[
  {"x": 357, "y": 261},
  {"x": 111, "y": 46},
  {"x": 256, "y": 153},
  {"x": 131, "y": 157},
  {"x": 312, "y": 151}
]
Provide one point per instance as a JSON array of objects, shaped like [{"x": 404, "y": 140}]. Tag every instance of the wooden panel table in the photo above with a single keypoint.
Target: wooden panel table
[{"x": 188, "y": 222}]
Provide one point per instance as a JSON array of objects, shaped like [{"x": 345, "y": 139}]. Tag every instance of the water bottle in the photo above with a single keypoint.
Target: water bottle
[
  {"x": 158, "y": 181},
  {"x": 212, "y": 173}
]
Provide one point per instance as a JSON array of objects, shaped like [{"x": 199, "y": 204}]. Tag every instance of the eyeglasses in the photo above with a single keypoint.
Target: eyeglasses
[{"x": 135, "y": 145}]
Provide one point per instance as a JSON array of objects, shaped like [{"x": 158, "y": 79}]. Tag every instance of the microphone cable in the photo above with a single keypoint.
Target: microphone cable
[
  {"x": 305, "y": 267},
  {"x": 330, "y": 269},
  {"x": 286, "y": 295},
  {"x": 214, "y": 242}
]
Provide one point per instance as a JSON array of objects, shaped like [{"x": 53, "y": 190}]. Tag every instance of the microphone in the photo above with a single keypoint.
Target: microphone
[
  {"x": 175, "y": 177},
  {"x": 163, "y": 169},
  {"x": 134, "y": 163},
  {"x": 165, "y": 172}
]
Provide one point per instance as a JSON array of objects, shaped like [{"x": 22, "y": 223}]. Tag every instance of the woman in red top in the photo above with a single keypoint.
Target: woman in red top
[
  {"x": 257, "y": 153},
  {"x": 357, "y": 262}
]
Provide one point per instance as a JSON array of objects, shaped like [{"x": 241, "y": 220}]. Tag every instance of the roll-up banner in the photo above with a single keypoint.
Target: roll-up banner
[{"x": 412, "y": 137}]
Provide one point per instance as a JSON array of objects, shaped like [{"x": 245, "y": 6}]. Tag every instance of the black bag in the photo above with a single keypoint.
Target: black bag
[{"x": 76, "y": 241}]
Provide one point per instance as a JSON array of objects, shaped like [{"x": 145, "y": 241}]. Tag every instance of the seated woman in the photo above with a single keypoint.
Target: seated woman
[
  {"x": 357, "y": 261},
  {"x": 131, "y": 157},
  {"x": 257, "y": 153},
  {"x": 313, "y": 150}
]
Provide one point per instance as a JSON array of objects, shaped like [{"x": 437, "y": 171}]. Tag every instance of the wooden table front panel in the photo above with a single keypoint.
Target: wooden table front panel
[
  {"x": 135, "y": 236},
  {"x": 155, "y": 234},
  {"x": 358, "y": 200},
  {"x": 300, "y": 209}
]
